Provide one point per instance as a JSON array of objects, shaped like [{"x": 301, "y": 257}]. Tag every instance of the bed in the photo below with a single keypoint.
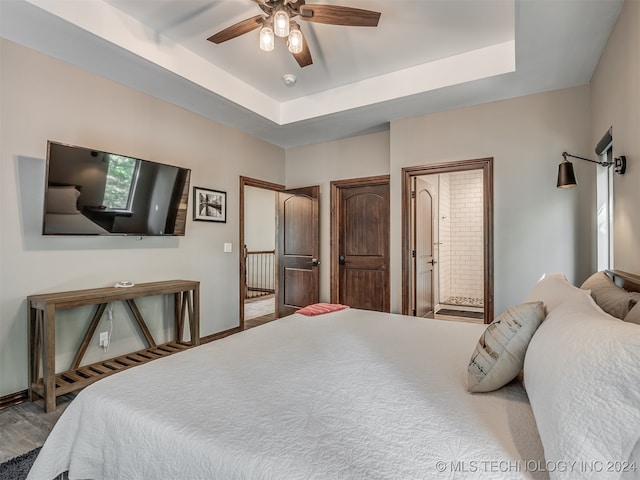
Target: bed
[
  {"x": 62, "y": 215},
  {"x": 354, "y": 394},
  {"x": 71, "y": 224}
]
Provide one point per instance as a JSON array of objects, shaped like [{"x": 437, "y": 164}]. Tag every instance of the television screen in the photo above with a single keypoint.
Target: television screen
[{"x": 91, "y": 192}]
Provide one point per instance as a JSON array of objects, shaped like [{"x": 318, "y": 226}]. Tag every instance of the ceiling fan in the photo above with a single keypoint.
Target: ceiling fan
[{"x": 277, "y": 21}]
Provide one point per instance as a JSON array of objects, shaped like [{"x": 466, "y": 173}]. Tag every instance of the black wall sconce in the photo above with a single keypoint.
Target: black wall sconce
[{"x": 567, "y": 177}]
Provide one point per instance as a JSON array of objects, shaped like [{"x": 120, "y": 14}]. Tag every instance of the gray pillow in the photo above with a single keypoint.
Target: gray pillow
[{"x": 614, "y": 300}]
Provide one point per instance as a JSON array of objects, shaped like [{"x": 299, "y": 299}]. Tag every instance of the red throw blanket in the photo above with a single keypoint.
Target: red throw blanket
[{"x": 320, "y": 308}]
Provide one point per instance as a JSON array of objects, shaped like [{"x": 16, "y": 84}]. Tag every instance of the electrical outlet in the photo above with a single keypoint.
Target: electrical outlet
[{"x": 104, "y": 339}]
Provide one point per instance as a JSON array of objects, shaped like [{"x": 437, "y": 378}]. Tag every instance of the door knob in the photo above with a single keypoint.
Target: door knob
[
  {"x": 433, "y": 262},
  {"x": 315, "y": 262},
  {"x": 341, "y": 260}
]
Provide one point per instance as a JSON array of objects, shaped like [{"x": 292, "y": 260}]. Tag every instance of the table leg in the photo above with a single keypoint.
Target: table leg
[
  {"x": 49, "y": 359},
  {"x": 194, "y": 317},
  {"x": 176, "y": 315},
  {"x": 33, "y": 350}
]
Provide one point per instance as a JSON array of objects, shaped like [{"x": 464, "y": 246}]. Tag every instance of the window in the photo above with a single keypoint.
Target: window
[
  {"x": 604, "y": 202},
  {"x": 122, "y": 176}
]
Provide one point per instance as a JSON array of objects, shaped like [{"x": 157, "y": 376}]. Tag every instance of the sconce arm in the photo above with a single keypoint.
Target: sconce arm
[{"x": 604, "y": 164}]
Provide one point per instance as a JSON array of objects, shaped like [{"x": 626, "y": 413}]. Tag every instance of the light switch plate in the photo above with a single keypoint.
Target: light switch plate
[{"x": 228, "y": 248}]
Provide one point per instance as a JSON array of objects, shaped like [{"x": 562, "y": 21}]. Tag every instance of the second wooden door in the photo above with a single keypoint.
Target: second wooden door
[{"x": 360, "y": 250}]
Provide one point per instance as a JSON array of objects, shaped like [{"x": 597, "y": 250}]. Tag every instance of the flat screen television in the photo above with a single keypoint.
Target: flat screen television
[{"x": 91, "y": 192}]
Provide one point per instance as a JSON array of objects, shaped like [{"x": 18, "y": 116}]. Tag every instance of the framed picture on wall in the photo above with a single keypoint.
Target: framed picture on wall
[{"x": 209, "y": 205}]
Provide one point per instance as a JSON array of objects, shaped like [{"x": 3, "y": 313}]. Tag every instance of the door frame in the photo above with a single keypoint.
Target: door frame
[
  {"x": 336, "y": 198},
  {"x": 250, "y": 182},
  {"x": 484, "y": 164}
]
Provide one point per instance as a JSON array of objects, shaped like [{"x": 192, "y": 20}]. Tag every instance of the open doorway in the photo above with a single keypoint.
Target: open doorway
[
  {"x": 258, "y": 242},
  {"x": 447, "y": 241},
  {"x": 279, "y": 238},
  {"x": 259, "y": 256}
]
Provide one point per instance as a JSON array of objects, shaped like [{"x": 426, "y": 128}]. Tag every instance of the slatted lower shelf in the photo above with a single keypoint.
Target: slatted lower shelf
[{"x": 73, "y": 380}]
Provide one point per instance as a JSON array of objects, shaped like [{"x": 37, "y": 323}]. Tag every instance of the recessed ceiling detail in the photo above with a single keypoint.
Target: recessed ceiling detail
[
  {"x": 343, "y": 88},
  {"x": 425, "y": 56}
]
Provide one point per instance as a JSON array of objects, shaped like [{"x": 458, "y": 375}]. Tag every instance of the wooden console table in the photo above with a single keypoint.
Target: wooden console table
[{"x": 42, "y": 316}]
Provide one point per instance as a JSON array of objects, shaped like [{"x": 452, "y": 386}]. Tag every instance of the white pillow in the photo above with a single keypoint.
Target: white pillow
[
  {"x": 582, "y": 375},
  {"x": 552, "y": 290},
  {"x": 62, "y": 200},
  {"x": 499, "y": 354}
]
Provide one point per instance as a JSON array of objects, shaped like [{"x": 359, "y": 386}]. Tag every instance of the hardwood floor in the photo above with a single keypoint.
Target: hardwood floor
[
  {"x": 254, "y": 322},
  {"x": 453, "y": 318},
  {"x": 26, "y": 426}
]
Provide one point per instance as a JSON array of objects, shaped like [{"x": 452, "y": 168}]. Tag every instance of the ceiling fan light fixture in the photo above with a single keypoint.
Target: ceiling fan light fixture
[
  {"x": 281, "y": 23},
  {"x": 267, "y": 39},
  {"x": 277, "y": 20},
  {"x": 294, "y": 41}
]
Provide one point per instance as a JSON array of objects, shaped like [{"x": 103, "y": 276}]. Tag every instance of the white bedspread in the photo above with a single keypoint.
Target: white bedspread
[{"x": 346, "y": 395}]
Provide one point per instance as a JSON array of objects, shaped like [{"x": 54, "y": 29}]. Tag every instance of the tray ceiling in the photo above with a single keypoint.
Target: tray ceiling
[{"x": 425, "y": 56}]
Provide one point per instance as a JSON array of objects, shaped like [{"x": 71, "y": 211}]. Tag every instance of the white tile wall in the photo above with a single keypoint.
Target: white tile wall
[
  {"x": 460, "y": 223},
  {"x": 466, "y": 236}
]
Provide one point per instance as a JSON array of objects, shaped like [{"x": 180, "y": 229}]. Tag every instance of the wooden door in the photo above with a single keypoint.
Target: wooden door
[
  {"x": 424, "y": 241},
  {"x": 298, "y": 249},
  {"x": 362, "y": 208}
]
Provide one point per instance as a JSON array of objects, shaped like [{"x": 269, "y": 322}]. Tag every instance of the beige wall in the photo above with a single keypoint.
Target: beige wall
[
  {"x": 537, "y": 227},
  {"x": 259, "y": 219},
  {"x": 615, "y": 102},
  {"x": 363, "y": 156},
  {"x": 42, "y": 99}
]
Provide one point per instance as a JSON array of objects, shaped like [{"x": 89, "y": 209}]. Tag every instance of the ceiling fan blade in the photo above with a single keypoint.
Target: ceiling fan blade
[
  {"x": 335, "y": 15},
  {"x": 304, "y": 57},
  {"x": 236, "y": 30}
]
